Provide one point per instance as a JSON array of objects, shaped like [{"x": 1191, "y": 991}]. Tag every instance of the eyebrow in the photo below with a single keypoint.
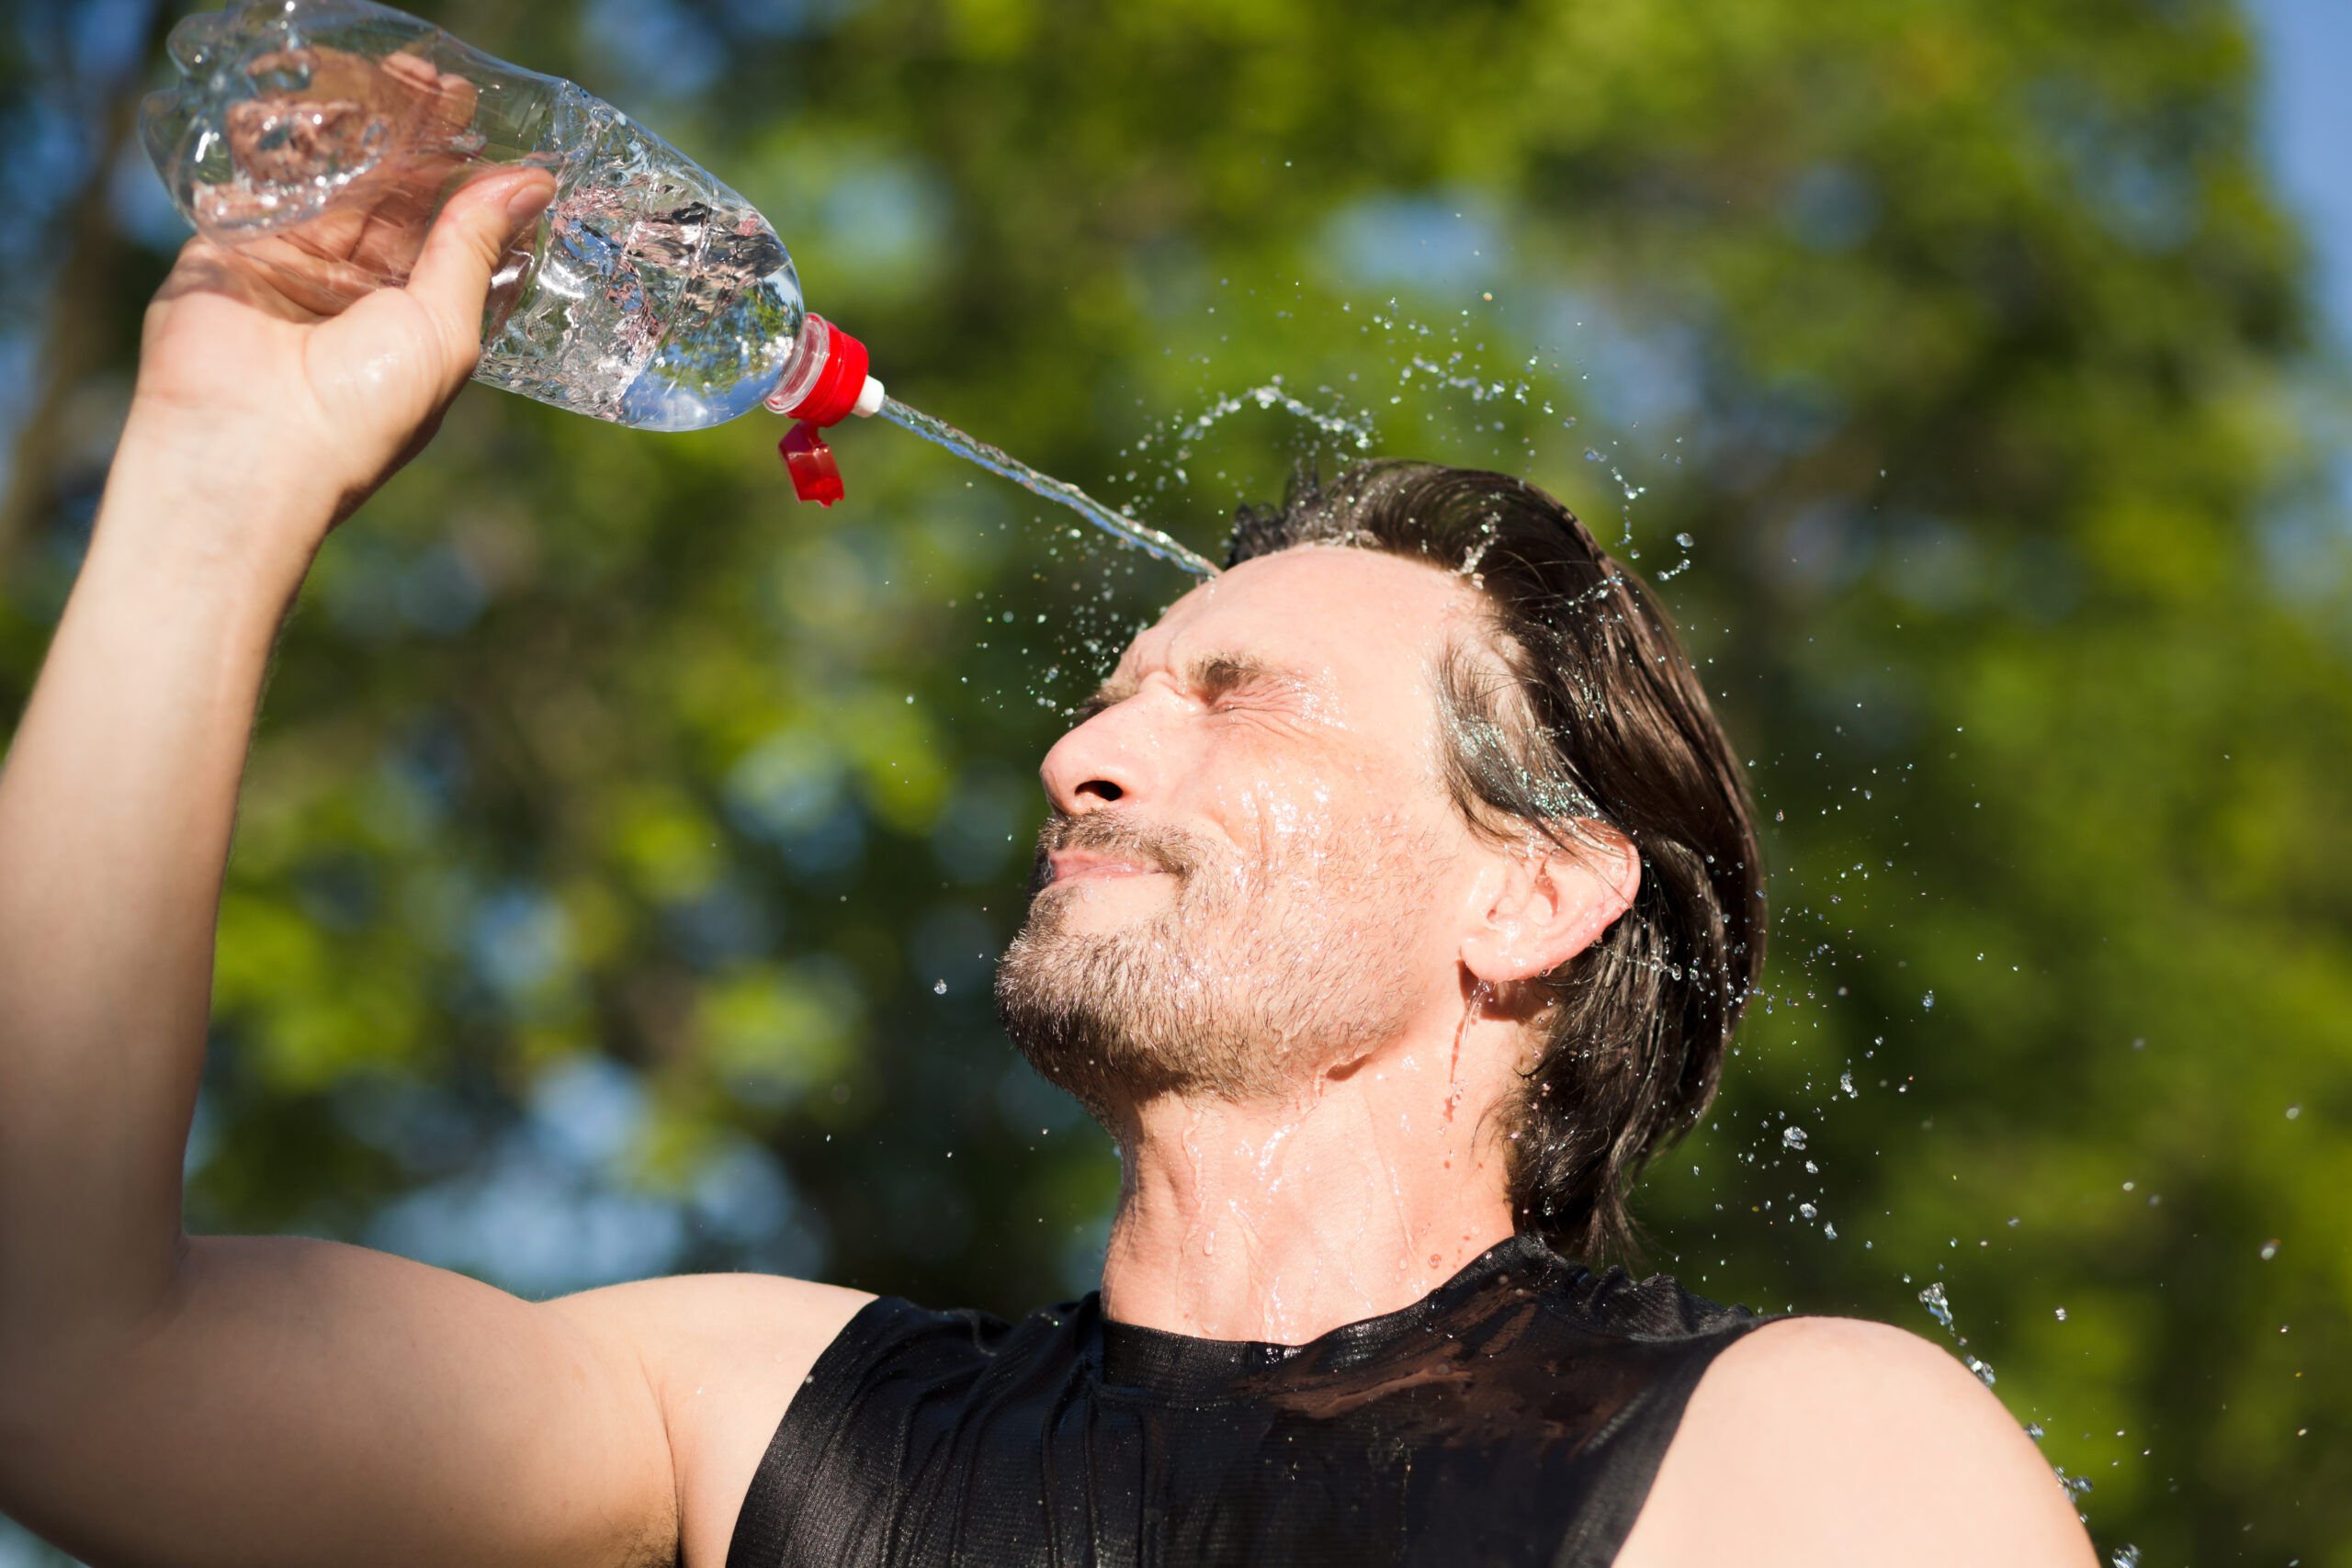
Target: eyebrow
[
  {"x": 1215, "y": 674},
  {"x": 1210, "y": 676}
]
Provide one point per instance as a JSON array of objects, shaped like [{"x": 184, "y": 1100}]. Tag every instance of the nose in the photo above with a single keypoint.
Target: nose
[{"x": 1101, "y": 763}]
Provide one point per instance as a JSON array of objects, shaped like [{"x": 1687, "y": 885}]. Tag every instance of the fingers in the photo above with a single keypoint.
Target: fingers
[
  {"x": 411, "y": 71},
  {"x": 208, "y": 267},
  {"x": 452, "y": 275}
]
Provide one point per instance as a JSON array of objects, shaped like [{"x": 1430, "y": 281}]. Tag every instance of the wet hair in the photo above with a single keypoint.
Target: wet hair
[{"x": 1578, "y": 706}]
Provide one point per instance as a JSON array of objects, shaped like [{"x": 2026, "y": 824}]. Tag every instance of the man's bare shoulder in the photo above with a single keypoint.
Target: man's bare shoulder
[
  {"x": 1825, "y": 1441},
  {"x": 724, "y": 1353}
]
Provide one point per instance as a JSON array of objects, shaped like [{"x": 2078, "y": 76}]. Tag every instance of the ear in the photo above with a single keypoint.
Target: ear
[{"x": 1541, "y": 904}]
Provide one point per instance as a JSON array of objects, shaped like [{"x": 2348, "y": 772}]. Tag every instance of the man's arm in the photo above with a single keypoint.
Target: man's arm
[
  {"x": 1834, "y": 1443},
  {"x": 253, "y": 1401}
]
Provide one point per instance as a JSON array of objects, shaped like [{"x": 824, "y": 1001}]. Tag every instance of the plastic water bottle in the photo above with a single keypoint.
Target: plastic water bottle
[{"x": 318, "y": 138}]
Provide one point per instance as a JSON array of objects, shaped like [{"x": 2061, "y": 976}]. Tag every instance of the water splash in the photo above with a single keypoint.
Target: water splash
[
  {"x": 1143, "y": 536},
  {"x": 1355, "y": 431},
  {"x": 1939, "y": 1307},
  {"x": 1631, "y": 491},
  {"x": 1172, "y": 446},
  {"x": 1471, "y": 558}
]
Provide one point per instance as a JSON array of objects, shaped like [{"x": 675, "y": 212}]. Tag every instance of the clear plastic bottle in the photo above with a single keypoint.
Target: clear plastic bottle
[{"x": 318, "y": 138}]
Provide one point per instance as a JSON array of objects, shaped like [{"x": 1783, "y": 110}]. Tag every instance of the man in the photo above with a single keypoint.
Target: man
[{"x": 1398, "y": 899}]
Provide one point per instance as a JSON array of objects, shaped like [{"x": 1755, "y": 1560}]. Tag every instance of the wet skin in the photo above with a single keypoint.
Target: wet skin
[
  {"x": 175, "y": 1400},
  {"x": 1285, "y": 718}
]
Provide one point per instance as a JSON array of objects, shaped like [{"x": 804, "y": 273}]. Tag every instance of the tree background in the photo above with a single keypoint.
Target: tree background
[{"x": 626, "y": 847}]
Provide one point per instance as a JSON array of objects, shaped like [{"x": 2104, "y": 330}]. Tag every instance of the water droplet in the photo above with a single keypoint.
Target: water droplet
[
  {"x": 2125, "y": 1557},
  {"x": 2062, "y": 1314},
  {"x": 2033, "y": 1430},
  {"x": 1685, "y": 540},
  {"x": 939, "y": 987},
  {"x": 1928, "y": 1001},
  {"x": 2270, "y": 1249},
  {"x": 1846, "y": 1082},
  {"x": 1939, "y": 1308},
  {"x": 2293, "y": 1112},
  {"x": 1793, "y": 1138}
]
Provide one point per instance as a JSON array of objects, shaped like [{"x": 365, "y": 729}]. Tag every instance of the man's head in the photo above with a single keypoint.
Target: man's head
[{"x": 1424, "y": 747}]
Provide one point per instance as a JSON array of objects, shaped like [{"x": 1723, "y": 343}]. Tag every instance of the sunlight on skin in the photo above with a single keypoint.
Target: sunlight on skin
[
  {"x": 1284, "y": 708},
  {"x": 285, "y": 1401},
  {"x": 1289, "y": 707}
]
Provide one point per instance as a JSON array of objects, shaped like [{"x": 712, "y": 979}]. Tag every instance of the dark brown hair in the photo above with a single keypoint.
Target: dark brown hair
[{"x": 1580, "y": 707}]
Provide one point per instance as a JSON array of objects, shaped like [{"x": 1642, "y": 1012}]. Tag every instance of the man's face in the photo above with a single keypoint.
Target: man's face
[{"x": 1249, "y": 874}]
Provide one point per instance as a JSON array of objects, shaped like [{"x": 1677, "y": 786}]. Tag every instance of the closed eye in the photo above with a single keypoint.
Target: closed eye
[{"x": 1219, "y": 681}]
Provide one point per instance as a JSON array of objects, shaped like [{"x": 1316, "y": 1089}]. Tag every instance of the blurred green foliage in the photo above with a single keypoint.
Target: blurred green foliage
[{"x": 626, "y": 846}]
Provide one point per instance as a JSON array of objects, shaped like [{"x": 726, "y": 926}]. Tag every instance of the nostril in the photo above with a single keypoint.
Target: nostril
[{"x": 1101, "y": 789}]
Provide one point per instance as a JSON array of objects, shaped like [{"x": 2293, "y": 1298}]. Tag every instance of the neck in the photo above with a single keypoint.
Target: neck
[{"x": 1353, "y": 1197}]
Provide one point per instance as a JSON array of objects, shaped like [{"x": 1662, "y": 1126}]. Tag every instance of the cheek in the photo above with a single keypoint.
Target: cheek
[
  {"x": 1267, "y": 801},
  {"x": 1341, "y": 814}
]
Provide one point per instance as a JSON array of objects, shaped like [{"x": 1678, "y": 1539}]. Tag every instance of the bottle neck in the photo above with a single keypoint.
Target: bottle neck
[{"x": 827, "y": 381}]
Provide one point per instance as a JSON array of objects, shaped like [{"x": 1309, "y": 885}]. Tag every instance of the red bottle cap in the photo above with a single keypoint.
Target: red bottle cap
[
  {"x": 815, "y": 476},
  {"x": 839, "y": 363}
]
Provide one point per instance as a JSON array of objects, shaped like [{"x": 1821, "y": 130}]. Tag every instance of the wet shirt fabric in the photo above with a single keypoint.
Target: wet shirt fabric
[{"x": 1515, "y": 1416}]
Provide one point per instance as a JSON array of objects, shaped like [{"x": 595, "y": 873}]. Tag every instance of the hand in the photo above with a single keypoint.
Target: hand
[
  {"x": 386, "y": 135},
  {"x": 255, "y": 393}
]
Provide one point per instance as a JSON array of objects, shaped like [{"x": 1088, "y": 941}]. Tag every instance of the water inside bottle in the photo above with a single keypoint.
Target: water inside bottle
[
  {"x": 661, "y": 300},
  {"x": 318, "y": 138}
]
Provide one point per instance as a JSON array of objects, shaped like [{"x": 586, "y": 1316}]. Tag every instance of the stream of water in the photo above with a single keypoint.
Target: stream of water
[{"x": 1142, "y": 536}]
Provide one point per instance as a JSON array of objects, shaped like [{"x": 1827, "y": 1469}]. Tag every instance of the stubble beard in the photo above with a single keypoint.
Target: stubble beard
[{"x": 1257, "y": 975}]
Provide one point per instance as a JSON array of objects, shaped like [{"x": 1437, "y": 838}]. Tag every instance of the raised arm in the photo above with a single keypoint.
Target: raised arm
[{"x": 257, "y": 1402}]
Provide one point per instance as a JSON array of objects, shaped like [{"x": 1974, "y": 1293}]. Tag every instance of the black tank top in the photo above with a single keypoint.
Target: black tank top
[{"x": 1515, "y": 1416}]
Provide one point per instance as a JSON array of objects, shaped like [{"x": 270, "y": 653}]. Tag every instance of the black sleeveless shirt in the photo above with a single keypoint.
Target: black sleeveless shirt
[{"x": 1515, "y": 1416}]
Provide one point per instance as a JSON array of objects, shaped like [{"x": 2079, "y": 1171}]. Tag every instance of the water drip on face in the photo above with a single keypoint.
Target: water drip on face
[{"x": 1480, "y": 994}]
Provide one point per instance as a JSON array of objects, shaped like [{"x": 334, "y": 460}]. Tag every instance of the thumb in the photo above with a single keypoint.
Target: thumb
[{"x": 451, "y": 278}]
